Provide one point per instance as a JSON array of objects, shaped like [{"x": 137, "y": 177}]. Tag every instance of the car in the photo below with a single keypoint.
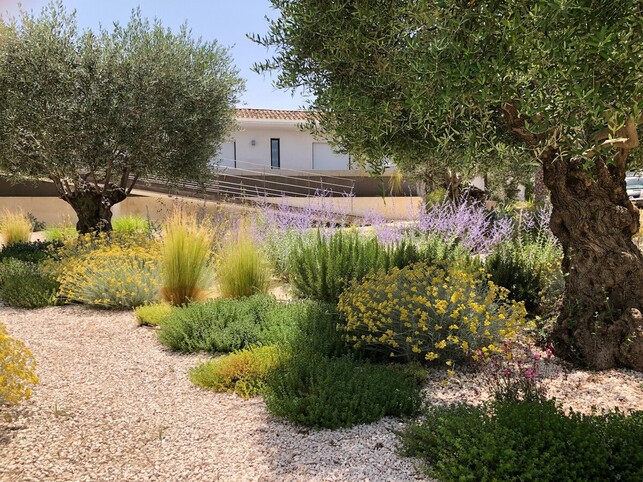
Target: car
[{"x": 634, "y": 187}]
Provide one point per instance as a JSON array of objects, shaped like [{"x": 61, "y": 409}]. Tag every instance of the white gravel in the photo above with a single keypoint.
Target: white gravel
[{"x": 113, "y": 404}]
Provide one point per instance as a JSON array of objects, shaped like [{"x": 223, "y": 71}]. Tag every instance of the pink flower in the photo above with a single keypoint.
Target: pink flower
[
  {"x": 506, "y": 372},
  {"x": 530, "y": 374},
  {"x": 537, "y": 356}
]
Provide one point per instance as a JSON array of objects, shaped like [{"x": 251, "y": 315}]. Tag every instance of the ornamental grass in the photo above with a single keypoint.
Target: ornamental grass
[
  {"x": 15, "y": 227},
  {"x": 242, "y": 270},
  {"x": 186, "y": 253}
]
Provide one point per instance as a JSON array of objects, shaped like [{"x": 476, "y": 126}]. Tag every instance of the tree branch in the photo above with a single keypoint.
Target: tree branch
[
  {"x": 108, "y": 175},
  {"x": 516, "y": 125},
  {"x": 124, "y": 177},
  {"x": 129, "y": 190}
]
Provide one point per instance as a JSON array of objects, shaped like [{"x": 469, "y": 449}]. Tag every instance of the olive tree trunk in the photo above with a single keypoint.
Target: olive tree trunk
[
  {"x": 601, "y": 322},
  {"x": 93, "y": 206}
]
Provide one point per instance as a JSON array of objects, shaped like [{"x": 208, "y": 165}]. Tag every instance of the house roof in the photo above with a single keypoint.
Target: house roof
[{"x": 273, "y": 114}]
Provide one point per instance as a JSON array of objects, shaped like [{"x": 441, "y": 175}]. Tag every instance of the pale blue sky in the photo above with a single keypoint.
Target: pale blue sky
[{"x": 227, "y": 21}]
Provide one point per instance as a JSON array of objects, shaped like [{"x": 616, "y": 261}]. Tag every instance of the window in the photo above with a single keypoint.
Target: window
[{"x": 274, "y": 154}]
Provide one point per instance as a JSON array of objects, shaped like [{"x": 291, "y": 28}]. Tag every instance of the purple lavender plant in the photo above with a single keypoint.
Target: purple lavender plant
[{"x": 467, "y": 222}]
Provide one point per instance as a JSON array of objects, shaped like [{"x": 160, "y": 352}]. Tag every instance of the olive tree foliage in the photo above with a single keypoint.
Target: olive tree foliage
[
  {"x": 96, "y": 111},
  {"x": 472, "y": 84}
]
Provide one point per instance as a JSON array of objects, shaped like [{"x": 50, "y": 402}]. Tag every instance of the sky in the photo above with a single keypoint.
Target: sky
[{"x": 227, "y": 21}]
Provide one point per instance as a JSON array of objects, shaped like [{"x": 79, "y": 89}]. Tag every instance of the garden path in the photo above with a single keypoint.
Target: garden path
[{"x": 113, "y": 404}]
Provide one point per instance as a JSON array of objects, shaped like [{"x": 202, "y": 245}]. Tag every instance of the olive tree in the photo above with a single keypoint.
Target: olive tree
[
  {"x": 95, "y": 112},
  {"x": 469, "y": 83}
]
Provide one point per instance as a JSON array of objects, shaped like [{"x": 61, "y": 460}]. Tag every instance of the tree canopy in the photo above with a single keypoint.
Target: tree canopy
[
  {"x": 473, "y": 84},
  {"x": 94, "y": 112},
  {"x": 407, "y": 79}
]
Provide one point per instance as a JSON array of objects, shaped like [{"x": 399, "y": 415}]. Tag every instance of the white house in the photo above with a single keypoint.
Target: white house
[{"x": 273, "y": 139}]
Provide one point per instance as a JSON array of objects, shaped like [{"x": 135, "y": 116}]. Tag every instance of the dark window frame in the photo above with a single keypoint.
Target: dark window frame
[{"x": 272, "y": 159}]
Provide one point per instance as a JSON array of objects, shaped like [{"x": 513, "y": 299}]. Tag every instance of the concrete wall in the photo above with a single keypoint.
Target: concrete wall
[{"x": 53, "y": 211}]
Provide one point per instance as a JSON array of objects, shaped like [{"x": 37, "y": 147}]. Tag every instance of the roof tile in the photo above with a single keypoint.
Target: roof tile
[{"x": 273, "y": 114}]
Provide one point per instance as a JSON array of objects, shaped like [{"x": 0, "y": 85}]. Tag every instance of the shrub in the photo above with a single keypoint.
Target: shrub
[
  {"x": 242, "y": 270},
  {"x": 17, "y": 369},
  {"x": 60, "y": 233},
  {"x": 10, "y": 267},
  {"x": 317, "y": 332},
  {"x": 426, "y": 313},
  {"x": 153, "y": 314},
  {"x": 130, "y": 224},
  {"x": 436, "y": 251},
  {"x": 469, "y": 223},
  {"x": 29, "y": 290},
  {"x": 339, "y": 392},
  {"x": 530, "y": 271},
  {"x": 526, "y": 440},
  {"x": 279, "y": 247},
  {"x": 243, "y": 372},
  {"x": 15, "y": 227},
  {"x": 321, "y": 270},
  {"x": 33, "y": 252},
  {"x": 228, "y": 325},
  {"x": 110, "y": 272},
  {"x": 185, "y": 258}
]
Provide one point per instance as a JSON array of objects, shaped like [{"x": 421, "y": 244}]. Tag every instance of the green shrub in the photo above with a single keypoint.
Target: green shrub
[
  {"x": 321, "y": 270},
  {"x": 242, "y": 270},
  {"x": 425, "y": 313},
  {"x": 186, "y": 256},
  {"x": 33, "y": 252},
  {"x": 152, "y": 314},
  {"x": 29, "y": 289},
  {"x": 339, "y": 392},
  {"x": 279, "y": 245},
  {"x": 15, "y": 227},
  {"x": 317, "y": 332},
  {"x": 530, "y": 271},
  {"x": 526, "y": 440},
  {"x": 114, "y": 272},
  {"x": 130, "y": 224},
  {"x": 10, "y": 267},
  {"x": 228, "y": 325},
  {"x": 436, "y": 251},
  {"x": 243, "y": 372},
  {"x": 61, "y": 233}
]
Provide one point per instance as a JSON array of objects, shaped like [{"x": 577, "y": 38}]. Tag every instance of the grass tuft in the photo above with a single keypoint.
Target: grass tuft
[
  {"x": 186, "y": 253},
  {"x": 15, "y": 227},
  {"x": 242, "y": 270}
]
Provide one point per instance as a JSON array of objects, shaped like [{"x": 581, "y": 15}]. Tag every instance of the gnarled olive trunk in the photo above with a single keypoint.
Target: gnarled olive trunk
[
  {"x": 93, "y": 206},
  {"x": 601, "y": 323}
]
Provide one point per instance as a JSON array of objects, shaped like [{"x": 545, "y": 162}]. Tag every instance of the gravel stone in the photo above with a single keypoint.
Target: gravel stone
[{"x": 114, "y": 405}]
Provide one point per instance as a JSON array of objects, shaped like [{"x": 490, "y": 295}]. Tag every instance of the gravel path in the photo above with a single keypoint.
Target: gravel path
[{"x": 112, "y": 404}]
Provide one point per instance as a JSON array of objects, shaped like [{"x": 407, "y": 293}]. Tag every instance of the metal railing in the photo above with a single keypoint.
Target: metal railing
[{"x": 257, "y": 181}]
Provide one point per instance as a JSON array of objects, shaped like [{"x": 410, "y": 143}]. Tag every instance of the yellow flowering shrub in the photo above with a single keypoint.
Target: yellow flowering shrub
[
  {"x": 110, "y": 271},
  {"x": 17, "y": 369},
  {"x": 426, "y": 313}
]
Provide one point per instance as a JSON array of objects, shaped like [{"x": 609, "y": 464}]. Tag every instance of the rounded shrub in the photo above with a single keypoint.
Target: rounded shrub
[
  {"x": 32, "y": 252},
  {"x": 243, "y": 372},
  {"x": 152, "y": 314},
  {"x": 115, "y": 272},
  {"x": 326, "y": 392},
  {"x": 427, "y": 313},
  {"x": 17, "y": 369},
  {"x": 29, "y": 290}
]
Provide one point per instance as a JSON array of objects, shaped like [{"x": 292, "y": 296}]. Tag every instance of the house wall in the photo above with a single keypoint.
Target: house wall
[{"x": 252, "y": 145}]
